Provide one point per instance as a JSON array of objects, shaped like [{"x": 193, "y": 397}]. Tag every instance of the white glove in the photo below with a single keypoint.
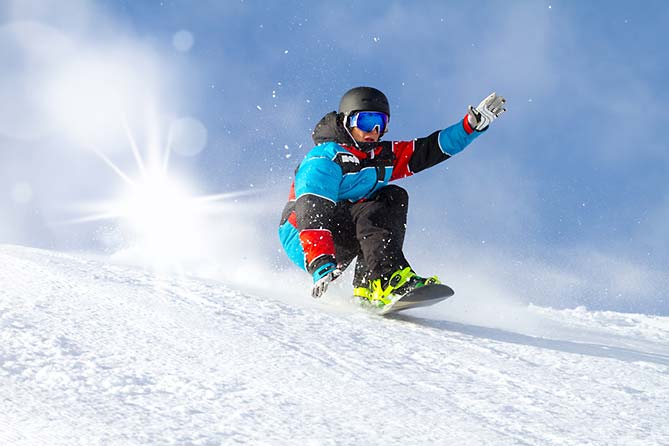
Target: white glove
[
  {"x": 486, "y": 112},
  {"x": 322, "y": 278}
]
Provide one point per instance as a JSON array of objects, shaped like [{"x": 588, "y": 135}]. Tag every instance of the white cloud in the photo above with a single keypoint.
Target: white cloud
[{"x": 30, "y": 51}]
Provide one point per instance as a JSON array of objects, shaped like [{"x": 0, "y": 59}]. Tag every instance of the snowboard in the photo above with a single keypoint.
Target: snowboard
[{"x": 420, "y": 297}]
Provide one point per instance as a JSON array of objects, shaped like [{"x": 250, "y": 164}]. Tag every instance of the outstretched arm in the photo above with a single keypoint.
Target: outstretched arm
[{"x": 422, "y": 153}]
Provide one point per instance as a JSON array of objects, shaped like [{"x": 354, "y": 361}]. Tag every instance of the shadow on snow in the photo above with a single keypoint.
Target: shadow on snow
[{"x": 499, "y": 335}]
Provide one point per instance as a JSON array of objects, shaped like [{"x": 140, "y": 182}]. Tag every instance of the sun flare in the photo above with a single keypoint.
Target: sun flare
[
  {"x": 163, "y": 214},
  {"x": 108, "y": 105}
]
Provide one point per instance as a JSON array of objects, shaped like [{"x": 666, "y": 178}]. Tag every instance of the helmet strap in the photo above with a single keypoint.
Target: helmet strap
[
  {"x": 349, "y": 132},
  {"x": 357, "y": 146}
]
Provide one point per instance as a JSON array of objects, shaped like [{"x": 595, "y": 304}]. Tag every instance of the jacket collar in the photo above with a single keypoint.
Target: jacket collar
[{"x": 331, "y": 129}]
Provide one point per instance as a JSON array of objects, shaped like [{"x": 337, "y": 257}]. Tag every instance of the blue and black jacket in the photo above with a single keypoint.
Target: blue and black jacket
[{"x": 338, "y": 169}]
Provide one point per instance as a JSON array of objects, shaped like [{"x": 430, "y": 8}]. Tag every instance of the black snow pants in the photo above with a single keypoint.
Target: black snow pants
[{"x": 373, "y": 231}]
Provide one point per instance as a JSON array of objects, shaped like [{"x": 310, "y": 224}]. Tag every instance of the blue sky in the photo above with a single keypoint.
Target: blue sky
[{"x": 564, "y": 200}]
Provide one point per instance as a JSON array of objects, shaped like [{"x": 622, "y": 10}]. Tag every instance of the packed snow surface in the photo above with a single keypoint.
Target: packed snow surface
[{"x": 93, "y": 353}]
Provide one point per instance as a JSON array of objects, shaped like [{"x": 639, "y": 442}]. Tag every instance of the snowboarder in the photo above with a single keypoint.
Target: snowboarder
[{"x": 341, "y": 206}]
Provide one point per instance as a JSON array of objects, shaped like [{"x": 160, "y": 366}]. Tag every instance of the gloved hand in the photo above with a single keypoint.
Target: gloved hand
[
  {"x": 486, "y": 112},
  {"x": 322, "y": 278}
]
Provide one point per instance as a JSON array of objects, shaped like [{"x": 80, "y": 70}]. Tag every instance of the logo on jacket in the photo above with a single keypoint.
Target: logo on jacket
[{"x": 349, "y": 159}]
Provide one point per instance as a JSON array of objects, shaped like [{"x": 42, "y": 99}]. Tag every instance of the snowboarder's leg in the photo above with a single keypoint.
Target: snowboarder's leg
[
  {"x": 342, "y": 228},
  {"x": 381, "y": 227},
  {"x": 361, "y": 276},
  {"x": 290, "y": 239},
  {"x": 380, "y": 224}
]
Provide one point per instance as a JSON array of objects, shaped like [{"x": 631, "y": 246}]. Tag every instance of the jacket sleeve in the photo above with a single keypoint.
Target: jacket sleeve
[
  {"x": 316, "y": 192},
  {"x": 421, "y": 153}
]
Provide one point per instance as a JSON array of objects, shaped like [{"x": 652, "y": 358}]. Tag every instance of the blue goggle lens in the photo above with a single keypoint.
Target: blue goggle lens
[{"x": 368, "y": 121}]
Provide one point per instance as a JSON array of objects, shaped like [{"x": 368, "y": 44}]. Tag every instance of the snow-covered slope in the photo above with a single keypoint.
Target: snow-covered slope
[{"x": 95, "y": 353}]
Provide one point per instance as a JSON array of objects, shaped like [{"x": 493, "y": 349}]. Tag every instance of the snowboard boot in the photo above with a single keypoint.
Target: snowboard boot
[
  {"x": 362, "y": 292},
  {"x": 384, "y": 291}
]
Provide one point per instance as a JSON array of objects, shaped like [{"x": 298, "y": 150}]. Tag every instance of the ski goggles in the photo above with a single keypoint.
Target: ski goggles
[{"x": 367, "y": 121}]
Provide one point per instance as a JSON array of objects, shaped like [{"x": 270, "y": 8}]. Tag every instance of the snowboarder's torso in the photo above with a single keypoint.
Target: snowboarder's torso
[{"x": 339, "y": 172}]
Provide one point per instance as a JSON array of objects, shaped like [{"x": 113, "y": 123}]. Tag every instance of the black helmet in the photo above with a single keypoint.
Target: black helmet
[{"x": 364, "y": 99}]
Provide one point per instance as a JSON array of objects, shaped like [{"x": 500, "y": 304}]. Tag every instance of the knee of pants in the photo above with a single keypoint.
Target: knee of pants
[{"x": 394, "y": 195}]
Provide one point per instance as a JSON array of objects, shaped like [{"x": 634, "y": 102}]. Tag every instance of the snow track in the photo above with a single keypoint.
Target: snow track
[{"x": 94, "y": 353}]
